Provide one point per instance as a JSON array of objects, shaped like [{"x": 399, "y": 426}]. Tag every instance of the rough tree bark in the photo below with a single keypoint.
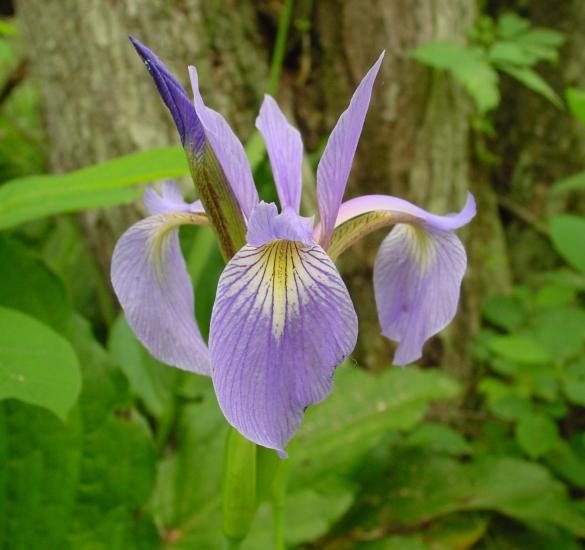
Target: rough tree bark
[
  {"x": 416, "y": 144},
  {"x": 99, "y": 102}
]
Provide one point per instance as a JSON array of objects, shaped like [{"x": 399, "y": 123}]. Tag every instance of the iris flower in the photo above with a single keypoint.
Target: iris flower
[{"x": 283, "y": 318}]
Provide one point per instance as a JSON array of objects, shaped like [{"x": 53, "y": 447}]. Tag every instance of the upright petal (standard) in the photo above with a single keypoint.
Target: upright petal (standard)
[
  {"x": 335, "y": 164},
  {"x": 418, "y": 269},
  {"x": 285, "y": 149},
  {"x": 282, "y": 321}
]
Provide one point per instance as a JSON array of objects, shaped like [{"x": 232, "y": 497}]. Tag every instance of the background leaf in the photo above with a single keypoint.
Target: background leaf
[
  {"x": 36, "y": 364},
  {"x": 566, "y": 232},
  {"x": 106, "y": 184}
]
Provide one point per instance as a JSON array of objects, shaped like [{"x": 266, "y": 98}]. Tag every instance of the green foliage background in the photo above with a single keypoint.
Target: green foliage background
[{"x": 101, "y": 446}]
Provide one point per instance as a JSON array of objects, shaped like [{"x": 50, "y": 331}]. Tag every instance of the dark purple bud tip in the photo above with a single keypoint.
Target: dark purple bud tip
[{"x": 175, "y": 98}]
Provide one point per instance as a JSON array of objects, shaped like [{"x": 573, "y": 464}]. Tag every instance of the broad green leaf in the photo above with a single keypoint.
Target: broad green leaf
[
  {"x": 543, "y": 37},
  {"x": 575, "y": 182},
  {"x": 397, "y": 542},
  {"x": 560, "y": 331},
  {"x": 37, "y": 365},
  {"x": 83, "y": 484},
  {"x": 439, "y": 439},
  {"x": 566, "y": 232},
  {"x": 425, "y": 487},
  {"x": 509, "y": 52},
  {"x": 510, "y": 407},
  {"x": 459, "y": 531},
  {"x": 567, "y": 463},
  {"x": 510, "y": 25},
  {"x": 187, "y": 495},
  {"x": 576, "y": 102},
  {"x": 443, "y": 55},
  {"x": 534, "y": 81},
  {"x": 504, "y": 311},
  {"x": 574, "y": 382},
  {"x": 151, "y": 381},
  {"x": 362, "y": 409},
  {"x": 554, "y": 295},
  {"x": 537, "y": 434},
  {"x": 309, "y": 513},
  {"x": 106, "y": 184},
  {"x": 520, "y": 349}
]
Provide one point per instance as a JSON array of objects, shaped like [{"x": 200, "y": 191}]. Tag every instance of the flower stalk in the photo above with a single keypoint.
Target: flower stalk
[{"x": 239, "y": 487}]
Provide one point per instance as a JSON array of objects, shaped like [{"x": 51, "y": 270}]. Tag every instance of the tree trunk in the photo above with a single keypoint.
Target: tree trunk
[
  {"x": 416, "y": 144},
  {"x": 98, "y": 100}
]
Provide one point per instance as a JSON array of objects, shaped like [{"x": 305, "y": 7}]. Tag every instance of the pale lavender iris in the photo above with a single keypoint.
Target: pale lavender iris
[{"x": 283, "y": 318}]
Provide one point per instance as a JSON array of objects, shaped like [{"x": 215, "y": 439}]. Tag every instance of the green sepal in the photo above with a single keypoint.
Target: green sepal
[
  {"x": 218, "y": 199},
  {"x": 354, "y": 229}
]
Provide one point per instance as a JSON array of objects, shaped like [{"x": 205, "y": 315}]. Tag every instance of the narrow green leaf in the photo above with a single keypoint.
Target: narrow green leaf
[
  {"x": 575, "y": 182},
  {"x": 37, "y": 365},
  {"x": 576, "y": 102},
  {"x": 534, "y": 81},
  {"x": 106, "y": 184},
  {"x": 468, "y": 66}
]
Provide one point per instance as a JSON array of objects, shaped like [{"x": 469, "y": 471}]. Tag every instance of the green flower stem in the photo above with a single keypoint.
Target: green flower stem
[
  {"x": 239, "y": 487},
  {"x": 278, "y": 502}
]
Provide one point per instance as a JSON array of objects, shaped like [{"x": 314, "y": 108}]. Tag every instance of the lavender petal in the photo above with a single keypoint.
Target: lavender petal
[
  {"x": 152, "y": 284},
  {"x": 282, "y": 321},
  {"x": 285, "y": 149},
  {"x": 228, "y": 150},
  {"x": 417, "y": 281},
  {"x": 335, "y": 164},
  {"x": 170, "y": 199}
]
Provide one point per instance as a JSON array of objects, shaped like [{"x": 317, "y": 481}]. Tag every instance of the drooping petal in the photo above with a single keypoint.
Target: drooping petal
[
  {"x": 266, "y": 225},
  {"x": 362, "y": 215},
  {"x": 285, "y": 149},
  {"x": 227, "y": 149},
  {"x": 152, "y": 284},
  {"x": 418, "y": 269},
  {"x": 175, "y": 98},
  {"x": 372, "y": 203},
  {"x": 282, "y": 321},
  {"x": 335, "y": 164},
  {"x": 417, "y": 280},
  {"x": 170, "y": 199}
]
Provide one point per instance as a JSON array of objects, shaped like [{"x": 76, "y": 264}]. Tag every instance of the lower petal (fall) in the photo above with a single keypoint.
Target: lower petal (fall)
[
  {"x": 281, "y": 323},
  {"x": 417, "y": 280}
]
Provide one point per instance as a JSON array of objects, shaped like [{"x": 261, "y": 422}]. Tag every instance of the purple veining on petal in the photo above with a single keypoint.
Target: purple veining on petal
[
  {"x": 282, "y": 321},
  {"x": 335, "y": 165},
  {"x": 417, "y": 281},
  {"x": 152, "y": 284},
  {"x": 170, "y": 199},
  {"x": 285, "y": 149},
  {"x": 266, "y": 225},
  {"x": 175, "y": 98},
  {"x": 228, "y": 149}
]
